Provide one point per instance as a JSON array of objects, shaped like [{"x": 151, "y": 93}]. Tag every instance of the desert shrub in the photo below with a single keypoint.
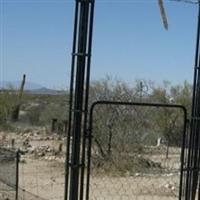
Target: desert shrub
[
  {"x": 121, "y": 165},
  {"x": 53, "y": 111},
  {"x": 7, "y": 103},
  {"x": 33, "y": 115}
]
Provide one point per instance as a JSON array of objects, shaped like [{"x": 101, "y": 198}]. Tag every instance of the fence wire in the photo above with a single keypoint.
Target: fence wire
[
  {"x": 8, "y": 173},
  {"x": 25, "y": 195},
  {"x": 136, "y": 153},
  {"x": 41, "y": 179},
  {"x": 38, "y": 180}
]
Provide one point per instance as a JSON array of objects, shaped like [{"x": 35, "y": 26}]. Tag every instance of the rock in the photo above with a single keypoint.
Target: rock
[
  {"x": 137, "y": 174},
  {"x": 22, "y": 160},
  {"x": 31, "y": 149},
  {"x": 170, "y": 186},
  {"x": 41, "y": 154},
  {"x": 170, "y": 174}
]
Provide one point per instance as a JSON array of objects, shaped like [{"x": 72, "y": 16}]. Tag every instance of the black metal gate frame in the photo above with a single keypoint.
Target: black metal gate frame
[{"x": 90, "y": 131}]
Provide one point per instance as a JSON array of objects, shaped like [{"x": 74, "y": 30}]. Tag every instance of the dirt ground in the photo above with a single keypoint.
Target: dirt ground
[
  {"x": 46, "y": 179},
  {"x": 44, "y": 176}
]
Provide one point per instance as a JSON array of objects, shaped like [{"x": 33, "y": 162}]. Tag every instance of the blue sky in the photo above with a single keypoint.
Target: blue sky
[{"x": 129, "y": 41}]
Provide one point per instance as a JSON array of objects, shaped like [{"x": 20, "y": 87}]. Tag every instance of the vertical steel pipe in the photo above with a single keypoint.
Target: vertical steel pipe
[
  {"x": 192, "y": 176},
  {"x": 79, "y": 94},
  {"x": 70, "y": 105},
  {"x": 17, "y": 174}
]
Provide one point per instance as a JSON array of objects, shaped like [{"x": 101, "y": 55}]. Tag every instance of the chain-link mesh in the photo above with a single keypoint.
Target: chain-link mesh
[
  {"x": 135, "y": 152},
  {"x": 41, "y": 179},
  {"x": 8, "y": 173},
  {"x": 22, "y": 195},
  {"x": 25, "y": 195}
]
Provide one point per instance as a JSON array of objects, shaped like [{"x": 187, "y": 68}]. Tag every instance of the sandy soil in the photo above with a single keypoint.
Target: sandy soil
[{"x": 45, "y": 179}]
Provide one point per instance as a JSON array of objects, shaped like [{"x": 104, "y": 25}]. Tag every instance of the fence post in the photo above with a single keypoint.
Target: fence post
[
  {"x": 53, "y": 124},
  {"x": 17, "y": 173}
]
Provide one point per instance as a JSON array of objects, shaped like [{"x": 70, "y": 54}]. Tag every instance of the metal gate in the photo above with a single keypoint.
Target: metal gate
[
  {"x": 80, "y": 135},
  {"x": 124, "y": 159}
]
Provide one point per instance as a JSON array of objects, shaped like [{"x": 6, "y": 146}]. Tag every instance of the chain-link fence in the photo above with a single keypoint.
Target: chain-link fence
[
  {"x": 25, "y": 195},
  {"x": 30, "y": 179},
  {"x": 136, "y": 152},
  {"x": 41, "y": 179},
  {"x": 41, "y": 166},
  {"x": 9, "y": 161}
]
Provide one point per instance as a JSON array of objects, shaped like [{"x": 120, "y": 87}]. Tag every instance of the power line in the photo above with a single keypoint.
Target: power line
[{"x": 188, "y": 1}]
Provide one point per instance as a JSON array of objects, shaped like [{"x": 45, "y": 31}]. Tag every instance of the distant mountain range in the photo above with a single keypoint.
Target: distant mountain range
[
  {"x": 16, "y": 85},
  {"x": 30, "y": 87}
]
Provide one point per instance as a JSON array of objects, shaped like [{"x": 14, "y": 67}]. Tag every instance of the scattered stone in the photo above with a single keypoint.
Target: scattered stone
[
  {"x": 170, "y": 186},
  {"x": 22, "y": 160},
  {"x": 137, "y": 174}
]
